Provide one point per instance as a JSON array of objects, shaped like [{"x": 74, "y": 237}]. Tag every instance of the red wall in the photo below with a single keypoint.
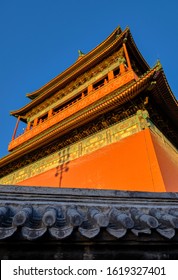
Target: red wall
[
  {"x": 130, "y": 164},
  {"x": 168, "y": 162}
]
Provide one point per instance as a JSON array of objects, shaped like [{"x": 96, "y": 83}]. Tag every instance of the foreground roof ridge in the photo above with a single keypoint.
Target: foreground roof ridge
[{"x": 59, "y": 213}]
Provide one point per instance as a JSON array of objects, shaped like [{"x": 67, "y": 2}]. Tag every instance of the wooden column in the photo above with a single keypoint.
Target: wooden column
[
  {"x": 90, "y": 88},
  {"x": 28, "y": 126},
  {"x": 110, "y": 75},
  {"x": 127, "y": 56},
  {"x": 50, "y": 113},
  {"x": 16, "y": 127},
  {"x": 35, "y": 122},
  {"x": 122, "y": 68}
]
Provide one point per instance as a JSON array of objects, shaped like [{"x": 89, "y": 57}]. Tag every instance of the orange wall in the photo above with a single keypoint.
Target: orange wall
[
  {"x": 129, "y": 164},
  {"x": 168, "y": 162}
]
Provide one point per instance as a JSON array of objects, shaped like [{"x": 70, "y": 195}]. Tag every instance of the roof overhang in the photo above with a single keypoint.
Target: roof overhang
[{"x": 107, "y": 47}]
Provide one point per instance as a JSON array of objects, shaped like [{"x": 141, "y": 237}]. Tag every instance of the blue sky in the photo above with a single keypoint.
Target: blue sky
[{"x": 40, "y": 38}]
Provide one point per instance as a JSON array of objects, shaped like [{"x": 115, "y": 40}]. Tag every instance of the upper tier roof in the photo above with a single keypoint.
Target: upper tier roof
[{"x": 112, "y": 43}]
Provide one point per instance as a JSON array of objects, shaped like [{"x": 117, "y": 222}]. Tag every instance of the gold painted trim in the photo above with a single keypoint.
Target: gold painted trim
[{"x": 89, "y": 144}]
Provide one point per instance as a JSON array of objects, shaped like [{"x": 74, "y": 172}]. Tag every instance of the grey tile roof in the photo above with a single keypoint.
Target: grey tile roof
[{"x": 31, "y": 213}]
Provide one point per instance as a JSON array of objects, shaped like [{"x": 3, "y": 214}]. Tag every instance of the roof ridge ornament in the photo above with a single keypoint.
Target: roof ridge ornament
[
  {"x": 118, "y": 31},
  {"x": 80, "y": 53},
  {"x": 159, "y": 65},
  {"x": 158, "y": 69}
]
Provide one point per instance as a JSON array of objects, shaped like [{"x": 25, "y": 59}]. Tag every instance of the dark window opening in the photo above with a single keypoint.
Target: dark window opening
[
  {"x": 65, "y": 105},
  {"x": 43, "y": 118},
  {"x": 116, "y": 72},
  {"x": 68, "y": 103},
  {"x": 85, "y": 93},
  {"x": 100, "y": 83}
]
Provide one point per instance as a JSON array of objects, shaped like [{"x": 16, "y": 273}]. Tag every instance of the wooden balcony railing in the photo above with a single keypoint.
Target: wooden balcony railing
[{"x": 71, "y": 109}]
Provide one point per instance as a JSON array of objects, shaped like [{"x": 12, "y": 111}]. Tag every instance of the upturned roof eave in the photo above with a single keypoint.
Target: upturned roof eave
[
  {"x": 132, "y": 46},
  {"x": 165, "y": 97},
  {"x": 125, "y": 95},
  {"x": 85, "y": 62},
  {"x": 112, "y": 42},
  {"x": 115, "y": 36},
  {"x": 77, "y": 63}
]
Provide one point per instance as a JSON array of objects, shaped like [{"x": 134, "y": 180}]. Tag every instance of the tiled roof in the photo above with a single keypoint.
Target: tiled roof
[
  {"x": 109, "y": 45},
  {"x": 32, "y": 213}
]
